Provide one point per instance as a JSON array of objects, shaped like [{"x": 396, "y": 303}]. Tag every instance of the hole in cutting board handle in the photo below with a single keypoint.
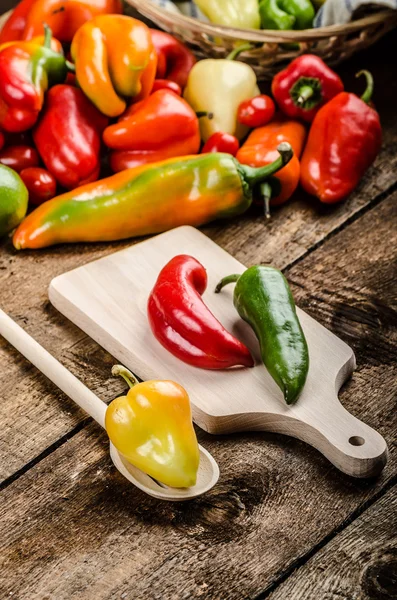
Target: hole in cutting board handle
[{"x": 356, "y": 440}]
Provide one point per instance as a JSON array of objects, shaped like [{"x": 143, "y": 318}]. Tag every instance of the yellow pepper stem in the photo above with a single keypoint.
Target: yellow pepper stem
[
  {"x": 234, "y": 53},
  {"x": 120, "y": 370}
]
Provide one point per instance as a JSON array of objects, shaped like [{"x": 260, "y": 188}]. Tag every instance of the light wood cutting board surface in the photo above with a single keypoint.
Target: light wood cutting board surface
[{"x": 107, "y": 299}]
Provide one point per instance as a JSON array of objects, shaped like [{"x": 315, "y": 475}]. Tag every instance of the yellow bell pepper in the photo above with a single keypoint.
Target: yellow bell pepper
[
  {"x": 152, "y": 428},
  {"x": 115, "y": 59},
  {"x": 243, "y": 14},
  {"x": 217, "y": 87}
]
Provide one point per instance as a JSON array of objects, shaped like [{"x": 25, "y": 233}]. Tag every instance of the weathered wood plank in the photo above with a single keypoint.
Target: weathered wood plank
[
  {"x": 76, "y": 529},
  {"x": 359, "y": 564},
  {"x": 24, "y": 279}
]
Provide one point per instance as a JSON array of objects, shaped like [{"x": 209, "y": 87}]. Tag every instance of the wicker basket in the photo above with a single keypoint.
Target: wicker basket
[{"x": 273, "y": 48}]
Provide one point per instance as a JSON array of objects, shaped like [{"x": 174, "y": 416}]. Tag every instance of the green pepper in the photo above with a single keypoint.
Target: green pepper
[
  {"x": 286, "y": 14},
  {"x": 13, "y": 199},
  {"x": 263, "y": 299}
]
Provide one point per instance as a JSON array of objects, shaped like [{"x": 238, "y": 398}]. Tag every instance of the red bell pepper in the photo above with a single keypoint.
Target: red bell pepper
[
  {"x": 166, "y": 84},
  {"x": 159, "y": 127},
  {"x": 68, "y": 136},
  {"x": 19, "y": 157},
  {"x": 343, "y": 142},
  {"x": 175, "y": 60},
  {"x": 221, "y": 142},
  {"x": 26, "y": 71},
  {"x": 303, "y": 87},
  {"x": 40, "y": 184},
  {"x": 2, "y": 140},
  {"x": 183, "y": 324}
]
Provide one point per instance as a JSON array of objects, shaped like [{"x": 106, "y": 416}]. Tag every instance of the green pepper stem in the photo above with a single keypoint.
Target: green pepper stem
[
  {"x": 70, "y": 66},
  {"x": 253, "y": 176},
  {"x": 305, "y": 93},
  {"x": 367, "y": 95},
  {"x": 47, "y": 36},
  {"x": 234, "y": 53},
  {"x": 266, "y": 193},
  {"x": 226, "y": 281},
  {"x": 120, "y": 370}
]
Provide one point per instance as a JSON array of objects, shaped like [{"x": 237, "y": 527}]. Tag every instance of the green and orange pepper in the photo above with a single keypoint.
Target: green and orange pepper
[
  {"x": 191, "y": 190},
  {"x": 125, "y": 61}
]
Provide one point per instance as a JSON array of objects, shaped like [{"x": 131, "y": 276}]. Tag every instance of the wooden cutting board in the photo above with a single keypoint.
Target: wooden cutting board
[{"x": 107, "y": 299}]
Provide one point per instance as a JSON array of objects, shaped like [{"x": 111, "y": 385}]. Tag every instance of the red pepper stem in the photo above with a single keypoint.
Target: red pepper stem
[
  {"x": 305, "y": 93},
  {"x": 204, "y": 113},
  {"x": 266, "y": 193},
  {"x": 47, "y": 36},
  {"x": 225, "y": 281},
  {"x": 367, "y": 95},
  {"x": 119, "y": 370},
  {"x": 234, "y": 53},
  {"x": 253, "y": 176}
]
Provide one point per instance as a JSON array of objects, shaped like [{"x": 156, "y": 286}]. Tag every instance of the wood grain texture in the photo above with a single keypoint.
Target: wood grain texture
[
  {"x": 359, "y": 564},
  {"x": 75, "y": 529},
  {"x": 40, "y": 415},
  {"x": 107, "y": 299}
]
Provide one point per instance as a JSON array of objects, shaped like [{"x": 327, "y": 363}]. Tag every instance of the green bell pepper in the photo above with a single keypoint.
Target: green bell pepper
[
  {"x": 13, "y": 199},
  {"x": 286, "y": 14}
]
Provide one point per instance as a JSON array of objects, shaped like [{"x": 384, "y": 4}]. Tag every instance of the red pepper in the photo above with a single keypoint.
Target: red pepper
[
  {"x": 26, "y": 71},
  {"x": 68, "y": 136},
  {"x": 40, "y": 184},
  {"x": 182, "y": 323},
  {"x": 343, "y": 142},
  {"x": 166, "y": 84},
  {"x": 19, "y": 157},
  {"x": 159, "y": 127},
  {"x": 175, "y": 60},
  {"x": 256, "y": 111},
  {"x": 303, "y": 87},
  {"x": 221, "y": 142},
  {"x": 14, "y": 26},
  {"x": 2, "y": 140}
]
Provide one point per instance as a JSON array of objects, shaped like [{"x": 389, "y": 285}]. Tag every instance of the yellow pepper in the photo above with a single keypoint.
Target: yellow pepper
[
  {"x": 217, "y": 87},
  {"x": 152, "y": 428},
  {"x": 243, "y": 14},
  {"x": 115, "y": 59}
]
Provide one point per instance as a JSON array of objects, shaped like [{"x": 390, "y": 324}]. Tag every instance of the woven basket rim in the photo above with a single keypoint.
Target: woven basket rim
[{"x": 150, "y": 10}]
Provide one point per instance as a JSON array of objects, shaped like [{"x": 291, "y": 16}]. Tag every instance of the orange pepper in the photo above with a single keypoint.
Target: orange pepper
[
  {"x": 65, "y": 18},
  {"x": 115, "y": 59},
  {"x": 259, "y": 150}
]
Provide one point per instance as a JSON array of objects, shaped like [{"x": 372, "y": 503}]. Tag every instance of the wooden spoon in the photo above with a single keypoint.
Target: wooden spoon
[{"x": 208, "y": 472}]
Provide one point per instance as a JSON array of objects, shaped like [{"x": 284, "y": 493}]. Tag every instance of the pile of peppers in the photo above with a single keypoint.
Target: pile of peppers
[{"x": 95, "y": 105}]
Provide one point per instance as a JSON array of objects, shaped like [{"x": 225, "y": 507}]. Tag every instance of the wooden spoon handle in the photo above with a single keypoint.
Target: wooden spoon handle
[{"x": 52, "y": 369}]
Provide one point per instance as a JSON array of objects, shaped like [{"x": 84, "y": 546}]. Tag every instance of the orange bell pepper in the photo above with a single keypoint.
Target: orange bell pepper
[
  {"x": 159, "y": 127},
  {"x": 115, "y": 59},
  {"x": 65, "y": 18},
  {"x": 259, "y": 150}
]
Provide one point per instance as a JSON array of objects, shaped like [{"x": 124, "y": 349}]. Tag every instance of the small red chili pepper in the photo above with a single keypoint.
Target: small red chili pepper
[
  {"x": 166, "y": 84},
  {"x": 2, "y": 140},
  {"x": 343, "y": 142},
  {"x": 305, "y": 86},
  {"x": 256, "y": 111},
  {"x": 19, "y": 157},
  {"x": 221, "y": 142},
  {"x": 183, "y": 324},
  {"x": 68, "y": 136},
  {"x": 40, "y": 184},
  {"x": 175, "y": 60}
]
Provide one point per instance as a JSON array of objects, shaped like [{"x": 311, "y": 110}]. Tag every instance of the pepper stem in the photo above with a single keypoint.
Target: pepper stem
[
  {"x": 47, "y": 36},
  {"x": 125, "y": 374},
  {"x": 266, "y": 193},
  {"x": 305, "y": 93},
  {"x": 367, "y": 95},
  {"x": 70, "y": 66},
  {"x": 226, "y": 281},
  {"x": 204, "y": 113},
  {"x": 253, "y": 176},
  {"x": 234, "y": 53}
]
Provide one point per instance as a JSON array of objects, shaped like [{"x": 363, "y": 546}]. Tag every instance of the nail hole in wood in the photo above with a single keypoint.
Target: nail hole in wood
[{"x": 356, "y": 440}]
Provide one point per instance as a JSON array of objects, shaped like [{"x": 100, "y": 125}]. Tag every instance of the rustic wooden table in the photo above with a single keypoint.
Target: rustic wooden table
[{"x": 282, "y": 523}]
